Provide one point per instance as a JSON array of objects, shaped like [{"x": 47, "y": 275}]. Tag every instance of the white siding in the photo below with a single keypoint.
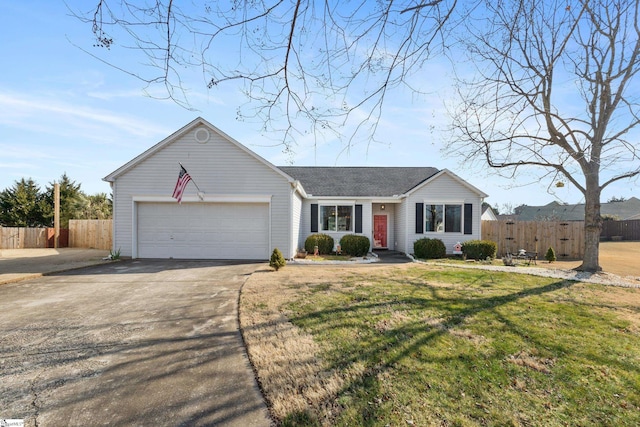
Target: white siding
[
  {"x": 400, "y": 227},
  {"x": 296, "y": 224},
  {"x": 443, "y": 189},
  {"x": 218, "y": 167}
]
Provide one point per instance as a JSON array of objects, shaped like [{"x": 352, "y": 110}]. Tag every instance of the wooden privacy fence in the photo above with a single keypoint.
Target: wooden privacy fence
[
  {"x": 91, "y": 233},
  {"x": 566, "y": 238},
  {"x": 621, "y": 230},
  {"x": 22, "y": 237}
]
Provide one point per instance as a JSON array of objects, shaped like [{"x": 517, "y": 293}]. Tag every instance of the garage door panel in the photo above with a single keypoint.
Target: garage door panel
[{"x": 203, "y": 230}]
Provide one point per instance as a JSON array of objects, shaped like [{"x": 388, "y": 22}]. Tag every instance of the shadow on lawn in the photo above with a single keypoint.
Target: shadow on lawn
[
  {"x": 380, "y": 351},
  {"x": 407, "y": 330}
]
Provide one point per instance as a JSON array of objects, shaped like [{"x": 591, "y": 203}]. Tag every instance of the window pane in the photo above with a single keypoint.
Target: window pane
[
  {"x": 328, "y": 218},
  {"x": 453, "y": 218},
  {"x": 344, "y": 218},
  {"x": 434, "y": 218}
]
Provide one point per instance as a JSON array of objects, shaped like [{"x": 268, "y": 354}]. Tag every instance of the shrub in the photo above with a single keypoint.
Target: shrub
[
  {"x": 426, "y": 248},
  {"x": 114, "y": 255},
  {"x": 354, "y": 245},
  {"x": 324, "y": 242},
  {"x": 479, "y": 249},
  {"x": 550, "y": 255},
  {"x": 277, "y": 261}
]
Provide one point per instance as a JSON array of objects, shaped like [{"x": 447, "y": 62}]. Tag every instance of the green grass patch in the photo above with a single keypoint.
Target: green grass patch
[{"x": 466, "y": 347}]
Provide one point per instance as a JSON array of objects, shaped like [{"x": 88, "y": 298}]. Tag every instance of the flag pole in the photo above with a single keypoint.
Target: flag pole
[{"x": 194, "y": 183}]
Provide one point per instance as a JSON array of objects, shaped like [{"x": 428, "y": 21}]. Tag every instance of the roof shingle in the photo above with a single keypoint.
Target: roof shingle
[{"x": 358, "y": 181}]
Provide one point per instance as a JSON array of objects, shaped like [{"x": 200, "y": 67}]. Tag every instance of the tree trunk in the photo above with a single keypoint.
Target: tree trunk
[{"x": 592, "y": 227}]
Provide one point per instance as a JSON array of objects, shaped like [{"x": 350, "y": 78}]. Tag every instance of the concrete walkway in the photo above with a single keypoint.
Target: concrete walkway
[{"x": 144, "y": 343}]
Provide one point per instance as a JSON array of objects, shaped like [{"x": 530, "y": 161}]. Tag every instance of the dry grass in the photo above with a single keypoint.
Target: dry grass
[
  {"x": 620, "y": 258},
  {"x": 294, "y": 379}
]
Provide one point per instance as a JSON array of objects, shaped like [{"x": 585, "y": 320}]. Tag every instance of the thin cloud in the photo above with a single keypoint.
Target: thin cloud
[{"x": 23, "y": 110}]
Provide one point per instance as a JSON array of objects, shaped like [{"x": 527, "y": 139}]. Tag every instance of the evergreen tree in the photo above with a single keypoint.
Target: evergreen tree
[
  {"x": 97, "y": 206},
  {"x": 70, "y": 195},
  {"x": 23, "y": 205},
  {"x": 277, "y": 260}
]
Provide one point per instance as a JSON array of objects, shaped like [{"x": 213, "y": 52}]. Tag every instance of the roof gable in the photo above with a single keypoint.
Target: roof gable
[
  {"x": 454, "y": 177},
  {"x": 176, "y": 136},
  {"x": 358, "y": 181}
]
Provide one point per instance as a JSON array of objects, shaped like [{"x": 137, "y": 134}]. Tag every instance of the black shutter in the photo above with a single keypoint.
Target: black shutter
[
  {"x": 358, "y": 222},
  {"x": 419, "y": 218},
  {"x": 314, "y": 218},
  {"x": 468, "y": 218}
]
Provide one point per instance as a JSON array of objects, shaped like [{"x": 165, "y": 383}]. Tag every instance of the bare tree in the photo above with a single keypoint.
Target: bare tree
[
  {"x": 556, "y": 88},
  {"x": 306, "y": 67}
]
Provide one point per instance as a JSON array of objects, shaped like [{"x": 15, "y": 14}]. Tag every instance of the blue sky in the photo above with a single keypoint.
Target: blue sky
[{"x": 65, "y": 111}]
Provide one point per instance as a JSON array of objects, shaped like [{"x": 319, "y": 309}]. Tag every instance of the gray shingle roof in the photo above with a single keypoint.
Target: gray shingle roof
[{"x": 358, "y": 181}]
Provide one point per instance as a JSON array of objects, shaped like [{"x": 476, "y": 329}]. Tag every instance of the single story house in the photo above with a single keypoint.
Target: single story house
[{"x": 243, "y": 206}]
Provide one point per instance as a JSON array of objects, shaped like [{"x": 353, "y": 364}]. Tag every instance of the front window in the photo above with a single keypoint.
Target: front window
[
  {"x": 452, "y": 218},
  {"x": 336, "y": 218},
  {"x": 435, "y": 219},
  {"x": 443, "y": 218}
]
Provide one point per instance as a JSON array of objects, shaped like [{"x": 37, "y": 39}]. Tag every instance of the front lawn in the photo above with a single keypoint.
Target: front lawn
[{"x": 425, "y": 345}]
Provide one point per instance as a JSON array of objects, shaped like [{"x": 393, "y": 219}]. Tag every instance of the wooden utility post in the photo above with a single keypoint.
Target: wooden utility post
[{"x": 56, "y": 214}]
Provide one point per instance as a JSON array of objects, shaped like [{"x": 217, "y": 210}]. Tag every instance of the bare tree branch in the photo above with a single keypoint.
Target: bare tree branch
[
  {"x": 308, "y": 65},
  {"x": 521, "y": 113}
]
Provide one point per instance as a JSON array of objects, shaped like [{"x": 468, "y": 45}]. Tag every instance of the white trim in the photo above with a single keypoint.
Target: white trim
[
  {"x": 336, "y": 204},
  {"x": 292, "y": 194},
  {"x": 134, "y": 229},
  {"x": 202, "y": 139},
  {"x": 270, "y": 248},
  {"x": 408, "y": 211},
  {"x": 337, "y": 201},
  {"x": 367, "y": 199},
  {"x": 443, "y": 203},
  {"x": 207, "y": 199}
]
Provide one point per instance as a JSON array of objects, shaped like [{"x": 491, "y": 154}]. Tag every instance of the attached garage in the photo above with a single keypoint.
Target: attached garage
[{"x": 202, "y": 230}]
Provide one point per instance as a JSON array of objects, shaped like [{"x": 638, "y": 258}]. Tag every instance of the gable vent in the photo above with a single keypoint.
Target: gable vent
[{"x": 202, "y": 135}]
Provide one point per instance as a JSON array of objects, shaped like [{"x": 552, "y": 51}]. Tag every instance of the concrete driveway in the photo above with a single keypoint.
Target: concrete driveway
[{"x": 149, "y": 343}]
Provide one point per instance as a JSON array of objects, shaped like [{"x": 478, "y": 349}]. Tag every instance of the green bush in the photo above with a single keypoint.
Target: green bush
[
  {"x": 277, "y": 261},
  {"x": 355, "y": 245},
  {"x": 324, "y": 242},
  {"x": 426, "y": 248},
  {"x": 550, "y": 255},
  {"x": 480, "y": 249}
]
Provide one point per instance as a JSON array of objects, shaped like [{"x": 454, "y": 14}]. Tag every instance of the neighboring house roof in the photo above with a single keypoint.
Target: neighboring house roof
[
  {"x": 488, "y": 214},
  {"x": 556, "y": 211},
  {"x": 359, "y": 181}
]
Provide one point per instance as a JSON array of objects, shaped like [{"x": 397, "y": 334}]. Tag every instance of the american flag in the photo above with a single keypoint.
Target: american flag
[{"x": 183, "y": 180}]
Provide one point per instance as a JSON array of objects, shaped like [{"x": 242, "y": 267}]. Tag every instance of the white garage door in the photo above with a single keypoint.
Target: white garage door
[{"x": 203, "y": 230}]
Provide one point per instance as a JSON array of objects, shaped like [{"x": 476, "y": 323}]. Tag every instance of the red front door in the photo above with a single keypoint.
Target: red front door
[{"x": 379, "y": 231}]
